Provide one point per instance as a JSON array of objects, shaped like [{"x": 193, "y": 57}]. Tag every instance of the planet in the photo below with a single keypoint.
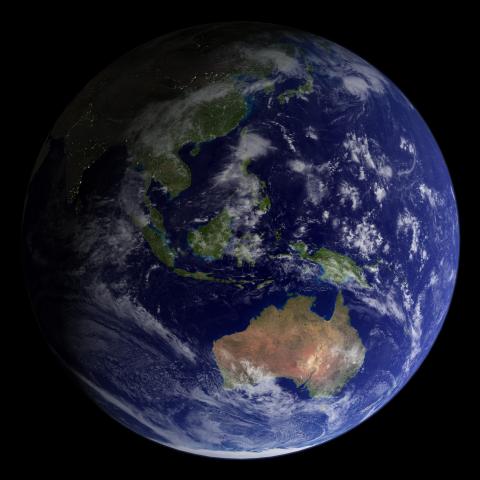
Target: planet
[{"x": 241, "y": 240}]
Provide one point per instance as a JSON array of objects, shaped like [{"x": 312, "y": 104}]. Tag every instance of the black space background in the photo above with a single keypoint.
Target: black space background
[{"x": 53, "y": 53}]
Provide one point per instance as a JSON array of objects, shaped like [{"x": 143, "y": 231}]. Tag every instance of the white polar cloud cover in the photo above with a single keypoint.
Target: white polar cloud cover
[{"x": 239, "y": 455}]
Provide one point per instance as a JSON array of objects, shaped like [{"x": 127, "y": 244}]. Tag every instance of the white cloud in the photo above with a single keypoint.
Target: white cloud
[
  {"x": 385, "y": 304},
  {"x": 380, "y": 193},
  {"x": 349, "y": 193},
  {"x": 105, "y": 240},
  {"x": 409, "y": 147},
  {"x": 356, "y": 86},
  {"x": 430, "y": 195},
  {"x": 317, "y": 178},
  {"x": 311, "y": 133},
  {"x": 131, "y": 196},
  {"x": 408, "y": 224},
  {"x": 407, "y": 296},
  {"x": 252, "y": 146},
  {"x": 282, "y": 63},
  {"x": 316, "y": 189},
  {"x": 364, "y": 237},
  {"x": 415, "y": 334},
  {"x": 385, "y": 171},
  {"x": 124, "y": 307},
  {"x": 297, "y": 166},
  {"x": 361, "y": 173},
  {"x": 358, "y": 149},
  {"x": 258, "y": 86},
  {"x": 376, "y": 81},
  {"x": 433, "y": 279},
  {"x": 358, "y": 77},
  {"x": 287, "y": 136},
  {"x": 248, "y": 248}
]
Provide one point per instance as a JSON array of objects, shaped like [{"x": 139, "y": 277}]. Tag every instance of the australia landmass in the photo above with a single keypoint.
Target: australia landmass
[{"x": 295, "y": 343}]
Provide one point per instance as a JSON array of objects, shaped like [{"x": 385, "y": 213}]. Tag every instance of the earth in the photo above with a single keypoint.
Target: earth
[{"x": 241, "y": 240}]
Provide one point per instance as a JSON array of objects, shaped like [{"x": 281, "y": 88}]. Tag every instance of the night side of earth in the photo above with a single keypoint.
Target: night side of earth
[{"x": 241, "y": 240}]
